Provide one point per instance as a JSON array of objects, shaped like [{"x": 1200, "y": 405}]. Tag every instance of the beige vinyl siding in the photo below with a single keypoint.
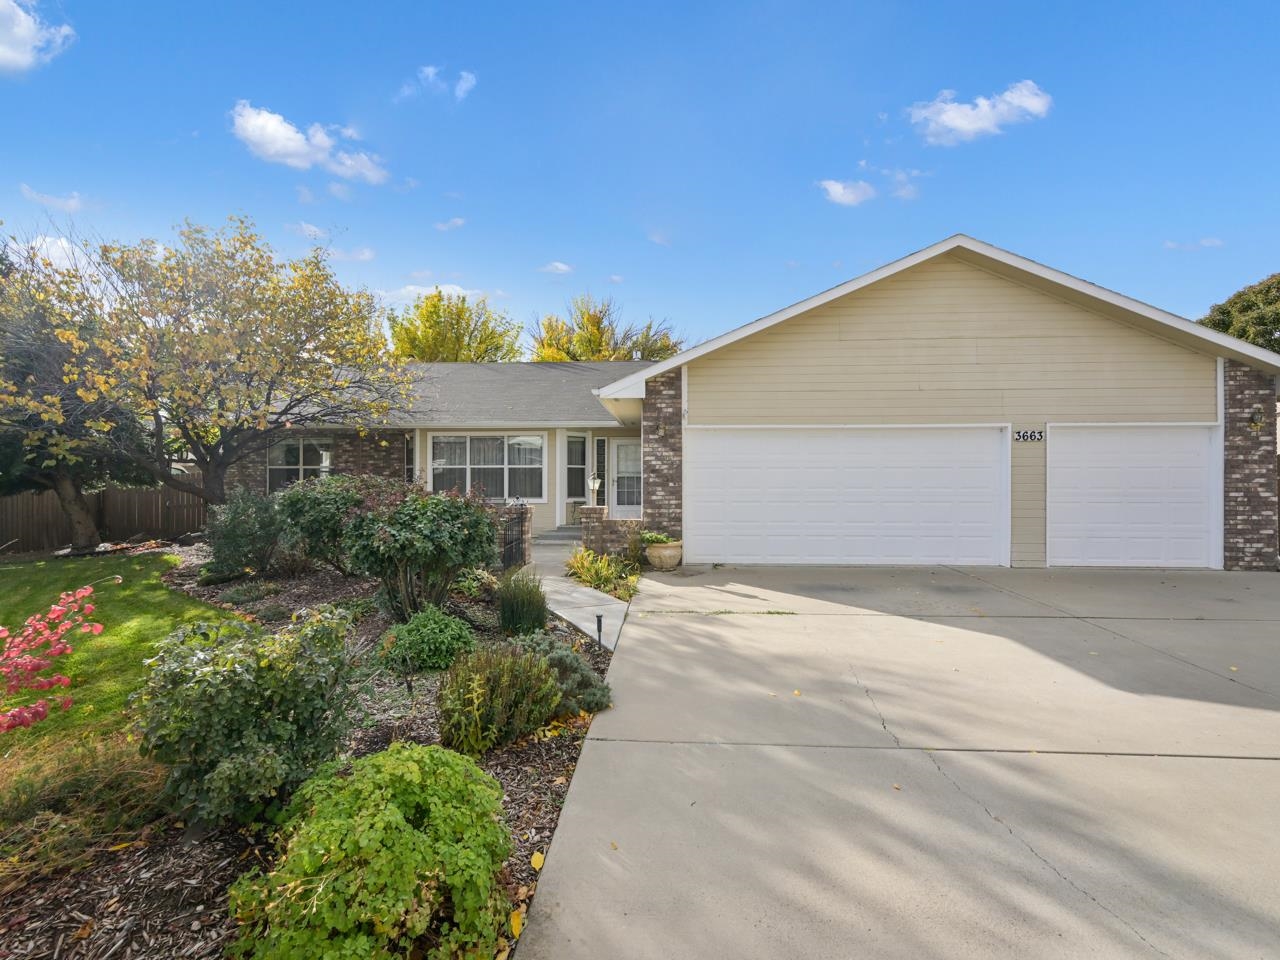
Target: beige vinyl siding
[{"x": 947, "y": 342}]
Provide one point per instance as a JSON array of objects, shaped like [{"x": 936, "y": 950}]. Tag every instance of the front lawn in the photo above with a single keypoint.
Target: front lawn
[{"x": 104, "y": 669}]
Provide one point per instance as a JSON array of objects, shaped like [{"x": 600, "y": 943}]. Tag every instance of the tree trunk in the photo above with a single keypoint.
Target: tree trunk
[
  {"x": 214, "y": 483},
  {"x": 84, "y": 529}
]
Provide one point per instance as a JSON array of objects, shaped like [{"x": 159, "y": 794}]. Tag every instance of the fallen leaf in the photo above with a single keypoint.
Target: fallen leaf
[
  {"x": 85, "y": 929},
  {"x": 503, "y": 954},
  {"x": 613, "y": 845},
  {"x": 560, "y": 781},
  {"x": 517, "y": 923},
  {"x": 795, "y": 693},
  {"x": 120, "y": 846},
  {"x": 897, "y": 786},
  {"x": 1234, "y": 669},
  {"x": 537, "y": 860}
]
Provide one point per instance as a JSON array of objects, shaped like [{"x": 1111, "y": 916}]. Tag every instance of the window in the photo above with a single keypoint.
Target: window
[
  {"x": 497, "y": 467},
  {"x": 410, "y": 466},
  {"x": 576, "y": 468},
  {"x": 602, "y": 458},
  {"x": 289, "y": 461}
]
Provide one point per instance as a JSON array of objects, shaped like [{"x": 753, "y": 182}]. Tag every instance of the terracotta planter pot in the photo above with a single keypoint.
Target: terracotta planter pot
[{"x": 664, "y": 556}]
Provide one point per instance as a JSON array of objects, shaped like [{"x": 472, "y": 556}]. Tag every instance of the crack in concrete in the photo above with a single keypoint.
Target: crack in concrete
[{"x": 1041, "y": 857}]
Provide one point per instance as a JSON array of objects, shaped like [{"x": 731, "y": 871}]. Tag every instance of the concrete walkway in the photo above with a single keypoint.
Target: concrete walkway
[
  {"x": 928, "y": 764},
  {"x": 571, "y": 600}
]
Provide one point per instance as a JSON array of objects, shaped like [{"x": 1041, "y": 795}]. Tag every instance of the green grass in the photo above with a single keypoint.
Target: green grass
[{"x": 105, "y": 669}]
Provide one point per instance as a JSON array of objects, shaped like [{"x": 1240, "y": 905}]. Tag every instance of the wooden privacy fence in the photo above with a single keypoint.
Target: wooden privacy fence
[{"x": 36, "y": 521}]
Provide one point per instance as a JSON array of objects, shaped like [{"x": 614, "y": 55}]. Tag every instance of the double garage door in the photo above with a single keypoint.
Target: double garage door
[{"x": 1122, "y": 496}]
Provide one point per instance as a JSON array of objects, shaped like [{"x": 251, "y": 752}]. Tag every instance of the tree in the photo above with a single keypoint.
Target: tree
[
  {"x": 444, "y": 327},
  {"x": 1252, "y": 314},
  {"x": 594, "y": 330},
  {"x": 52, "y": 428},
  {"x": 218, "y": 348}
]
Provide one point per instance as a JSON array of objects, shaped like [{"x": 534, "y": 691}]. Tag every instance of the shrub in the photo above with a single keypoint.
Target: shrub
[
  {"x": 250, "y": 592},
  {"x": 357, "y": 610},
  {"x": 429, "y": 640},
  {"x": 27, "y": 657},
  {"x": 476, "y": 583},
  {"x": 400, "y": 858},
  {"x": 604, "y": 572},
  {"x": 493, "y": 696},
  {"x": 648, "y": 537},
  {"x": 244, "y": 534},
  {"x": 522, "y": 606},
  {"x": 315, "y": 514},
  {"x": 243, "y": 716},
  {"x": 417, "y": 545},
  {"x": 581, "y": 689}
]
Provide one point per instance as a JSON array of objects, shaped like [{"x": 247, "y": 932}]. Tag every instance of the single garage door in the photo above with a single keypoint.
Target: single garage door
[
  {"x": 1133, "y": 496},
  {"x": 892, "y": 495}
]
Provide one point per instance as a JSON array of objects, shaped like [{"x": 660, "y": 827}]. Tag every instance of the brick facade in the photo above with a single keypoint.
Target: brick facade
[
  {"x": 377, "y": 452},
  {"x": 603, "y": 534},
  {"x": 1251, "y": 520},
  {"x": 662, "y": 435}
]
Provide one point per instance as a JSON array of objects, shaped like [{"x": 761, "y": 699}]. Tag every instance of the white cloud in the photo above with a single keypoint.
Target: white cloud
[
  {"x": 421, "y": 274},
  {"x": 660, "y": 237},
  {"x": 847, "y": 193},
  {"x": 555, "y": 266},
  {"x": 453, "y": 223},
  {"x": 1201, "y": 244},
  {"x": 308, "y": 230},
  {"x": 357, "y": 255},
  {"x": 269, "y": 136},
  {"x": 430, "y": 77},
  {"x": 615, "y": 278},
  {"x": 339, "y": 191},
  {"x": 902, "y": 183},
  {"x": 944, "y": 122},
  {"x": 68, "y": 204},
  {"x": 466, "y": 83},
  {"x": 59, "y": 251},
  {"x": 305, "y": 195},
  {"x": 27, "y": 41},
  {"x": 412, "y": 291}
]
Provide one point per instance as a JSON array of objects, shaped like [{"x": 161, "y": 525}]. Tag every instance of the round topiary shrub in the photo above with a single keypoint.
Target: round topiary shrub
[
  {"x": 430, "y": 640},
  {"x": 400, "y": 858}
]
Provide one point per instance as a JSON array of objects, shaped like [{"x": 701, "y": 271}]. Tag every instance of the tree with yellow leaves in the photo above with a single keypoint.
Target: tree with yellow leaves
[
  {"x": 445, "y": 327},
  {"x": 593, "y": 330},
  {"x": 218, "y": 348}
]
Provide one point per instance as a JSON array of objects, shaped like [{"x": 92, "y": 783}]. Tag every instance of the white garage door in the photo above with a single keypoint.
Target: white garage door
[
  {"x": 882, "y": 495},
  {"x": 1133, "y": 496}
]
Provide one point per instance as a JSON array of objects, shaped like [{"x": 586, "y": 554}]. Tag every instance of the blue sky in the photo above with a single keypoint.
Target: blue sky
[{"x": 701, "y": 163}]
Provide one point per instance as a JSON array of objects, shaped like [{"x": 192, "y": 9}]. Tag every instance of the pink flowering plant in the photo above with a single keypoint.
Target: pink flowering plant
[{"x": 27, "y": 661}]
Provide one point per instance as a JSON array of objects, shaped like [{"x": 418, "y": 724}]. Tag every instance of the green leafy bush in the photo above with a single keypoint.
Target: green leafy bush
[
  {"x": 315, "y": 514},
  {"x": 244, "y": 534},
  {"x": 522, "y": 606},
  {"x": 429, "y": 640},
  {"x": 402, "y": 858},
  {"x": 648, "y": 537},
  {"x": 604, "y": 572},
  {"x": 243, "y": 716},
  {"x": 250, "y": 592},
  {"x": 476, "y": 583},
  {"x": 417, "y": 545},
  {"x": 581, "y": 689},
  {"x": 495, "y": 695}
]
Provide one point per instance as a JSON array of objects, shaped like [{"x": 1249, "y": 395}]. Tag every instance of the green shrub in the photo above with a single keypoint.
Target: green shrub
[
  {"x": 402, "y": 858},
  {"x": 522, "y": 606},
  {"x": 357, "y": 610},
  {"x": 244, "y": 534},
  {"x": 476, "y": 583},
  {"x": 273, "y": 612},
  {"x": 653, "y": 536},
  {"x": 581, "y": 689},
  {"x": 250, "y": 592},
  {"x": 604, "y": 572},
  {"x": 429, "y": 640},
  {"x": 243, "y": 716},
  {"x": 493, "y": 696},
  {"x": 315, "y": 514},
  {"x": 417, "y": 545}
]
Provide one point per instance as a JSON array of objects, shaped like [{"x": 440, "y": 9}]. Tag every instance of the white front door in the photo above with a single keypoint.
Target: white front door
[{"x": 624, "y": 487}]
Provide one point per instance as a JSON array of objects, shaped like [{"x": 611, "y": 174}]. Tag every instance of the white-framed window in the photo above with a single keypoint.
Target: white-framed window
[
  {"x": 496, "y": 465},
  {"x": 575, "y": 467},
  {"x": 300, "y": 458}
]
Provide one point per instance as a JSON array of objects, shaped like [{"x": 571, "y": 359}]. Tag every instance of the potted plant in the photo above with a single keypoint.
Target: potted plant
[{"x": 662, "y": 552}]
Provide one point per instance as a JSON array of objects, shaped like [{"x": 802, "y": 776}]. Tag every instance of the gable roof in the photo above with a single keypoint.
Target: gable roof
[
  {"x": 510, "y": 394},
  {"x": 1010, "y": 265}
]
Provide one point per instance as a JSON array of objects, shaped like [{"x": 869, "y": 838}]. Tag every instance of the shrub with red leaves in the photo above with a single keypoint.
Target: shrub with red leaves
[{"x": 29, "y": 654}]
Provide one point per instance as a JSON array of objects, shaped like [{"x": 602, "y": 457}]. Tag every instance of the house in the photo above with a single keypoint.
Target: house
[
  {"x": 962, "y": 405},
  {"x": 533, "y": 432}
]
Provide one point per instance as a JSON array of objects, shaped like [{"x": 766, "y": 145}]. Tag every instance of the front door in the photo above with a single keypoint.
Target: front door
[{"x": 624, "y": 496}]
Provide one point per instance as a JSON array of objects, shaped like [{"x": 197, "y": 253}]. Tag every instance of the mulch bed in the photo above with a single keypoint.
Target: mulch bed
[{"x": 166, "y": 897}]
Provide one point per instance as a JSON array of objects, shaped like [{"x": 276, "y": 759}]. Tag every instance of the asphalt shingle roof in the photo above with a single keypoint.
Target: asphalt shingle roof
[{"x": 501, "y": 394}]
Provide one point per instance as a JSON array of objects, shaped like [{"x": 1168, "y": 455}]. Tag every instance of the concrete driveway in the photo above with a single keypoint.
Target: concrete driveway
[{"x": 893, "y": 763}]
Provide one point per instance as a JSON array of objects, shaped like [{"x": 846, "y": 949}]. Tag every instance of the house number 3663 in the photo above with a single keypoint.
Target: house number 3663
[{"x": 1028, "y": 436}]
